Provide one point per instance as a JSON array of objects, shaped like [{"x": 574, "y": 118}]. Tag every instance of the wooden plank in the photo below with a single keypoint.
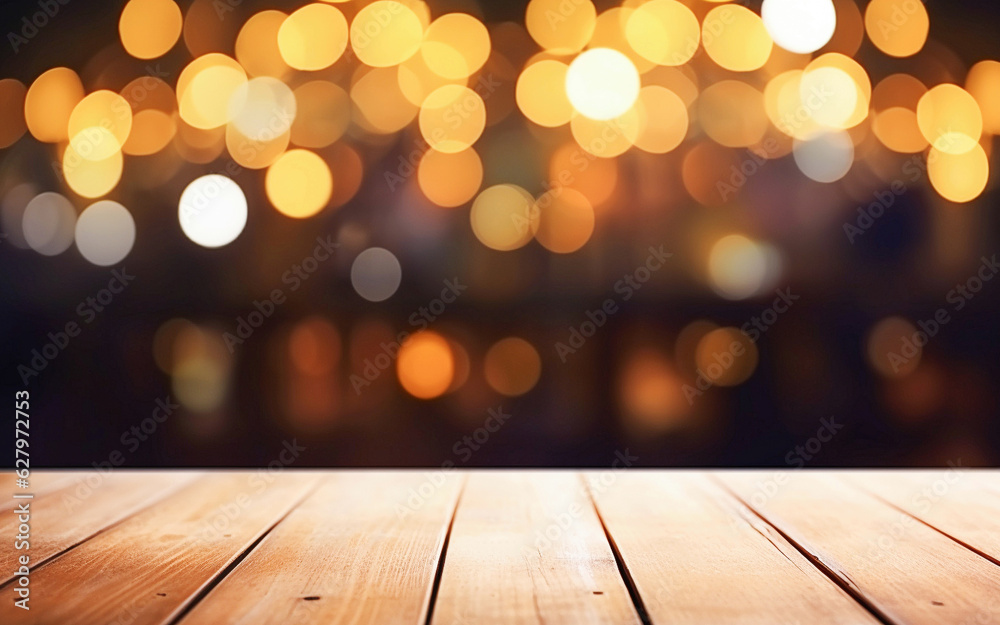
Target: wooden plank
[
  {"x": 364, "y": 548},
  {"x": 148, "y": 568},
  {"x": 699, "y": 557},
  {"x": 527, "y": 547},
  {"x": 39, "y": 483},
  {"x": 88, "y": 504},
  {"x": 904, "y": 570},
  {"x": 956, "y": 502}
]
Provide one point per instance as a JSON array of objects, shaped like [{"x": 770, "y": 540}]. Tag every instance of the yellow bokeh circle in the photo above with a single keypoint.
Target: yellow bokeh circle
[{"x": 299, "y": 183}]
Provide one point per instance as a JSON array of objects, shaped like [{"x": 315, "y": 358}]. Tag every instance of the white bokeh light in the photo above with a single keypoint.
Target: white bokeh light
[
  {"x": 739, "y": 267},
  {"x": 48, "y": 223},
  {"x": 800, "y": 26},
  {"x": 602, "y": 83},
  {"x": 376, "y": 274},
  {"x": 263, "y": 108},
  {"x": 105, "y": 233},
  {"x": 212, "y": 211},
  {"x": 826, "y": 157}
]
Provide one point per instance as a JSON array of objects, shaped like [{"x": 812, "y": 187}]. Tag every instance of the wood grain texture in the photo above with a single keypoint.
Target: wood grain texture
[
  {"x": 40, "y": 483},
  {"x": 956, "y": 502},
  {"x": 904, "y": 570},
  {"x": 363, "y": 548},
  {"x": 146, "y": 569},
  {"x": 527, "y": 547},
  {"x": 698, "y": 557},
  {"x": 88, "y": 503}
]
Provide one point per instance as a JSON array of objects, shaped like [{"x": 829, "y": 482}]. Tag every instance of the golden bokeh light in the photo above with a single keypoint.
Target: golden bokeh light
[
  {"x": 452, "y": 118},
  {"x": 209, "y": 26},
  {"x": 607, "y": 138},
  {"x": 257, "y": 47},
  {"x": 450, "y": 180},
  {"x": 322, "y": 116},
  {"x": 850, "y": 31},
  {"x": 950, "y": 119},
  {"x": 726, "y": 356},
  {"x": 832, "y": 105},
  {"x": 785, "y": 108},
  {"x": 561, "y": 27},
  {"x": 313, "y": 37},
  {"x": 958, "y": 177},
  {"x": 664, "y": 32},
  {"x": 894, "y": 107},
  {"x": 512, "y": 366},
  {"x": 386, "y": 33},
  {"x": 255, "y": 152},
  {"x": 602, "y": 83},
  {"x": 664, "y": 120},
  {"x": 314, "y": 347},
  {"x": 609, "y": 32},
  {"x": 425, "y": 365},
  {"x": 12, "y": 93},
  {"x": 379, "y": 102},
  {"x": 152, "y": 130},
  {"x": 893, "y": 348},
  {"x": 206, "y": 88},
  {"x": 149, "y": 28},
  {"x": 564, "y": 220},
  {"x": 199, "y": 145},
  {"x": 455, "y": 46},
  {"x": 735, "y": 38},
  {"x": 897, "y": 27},
  {"x": 572, "y": 167},
  {"x": 705, "y": 166},
  {"x": 417, "y": 80},
  {"x": 541, "y": 93},
  {"x": 90, "y": 178},
  {"x": 299, "y": 184},
  {"x": 981, "y": 82},
  {"x": 503, "y": 217},
  {"x": 841, "y": 95},
  {"x": 732, "y": 113},
  {"x": 681, "y": 80},
  {"x": 346, "y": 161},
  {"x": 100, "y": 124},
  {"x": 650, "y": 393},
  {"x": 50, "y": 101}
]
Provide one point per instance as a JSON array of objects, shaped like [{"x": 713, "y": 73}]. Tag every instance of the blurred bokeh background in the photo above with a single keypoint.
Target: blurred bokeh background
[{"x": 604, "y": 228}]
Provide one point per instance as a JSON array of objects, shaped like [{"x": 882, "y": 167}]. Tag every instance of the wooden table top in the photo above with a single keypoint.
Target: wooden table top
[{"x": 809, "y": 547}]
